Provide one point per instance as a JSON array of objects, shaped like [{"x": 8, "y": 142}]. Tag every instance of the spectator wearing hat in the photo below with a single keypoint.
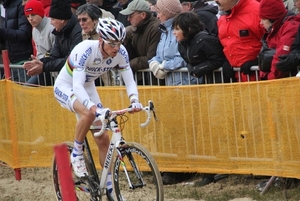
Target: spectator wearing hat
[
  {"x": 41, "y": 33},
  {"x": 142, "y": 36},
  {"x": 67, "y": 33},
  {"x": 15, "y": 34},
  {"x": 42, "y": 29},
  {"x": 281, "y": 26},
  {"x": 207, "y": 13},
  {"x": 167, "y": 56},
  {"x": 240, "y": 34}
]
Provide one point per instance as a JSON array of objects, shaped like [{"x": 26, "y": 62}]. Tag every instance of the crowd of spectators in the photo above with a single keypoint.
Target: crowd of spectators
[
  {"x": 239, "y": 25},
  {"x": 163, "y": 36}
]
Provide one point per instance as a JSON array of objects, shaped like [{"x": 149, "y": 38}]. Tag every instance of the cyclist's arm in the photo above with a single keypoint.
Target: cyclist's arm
[
  {"x": 127, "y": 75},
  {"x": 130, "y": 84}
]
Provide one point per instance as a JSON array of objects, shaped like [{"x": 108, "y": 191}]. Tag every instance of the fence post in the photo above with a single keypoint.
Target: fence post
[
  {"x": 6, "y": 64},
  {"x": 64, "y": 171},
  {"x": 7, "y": 74}
]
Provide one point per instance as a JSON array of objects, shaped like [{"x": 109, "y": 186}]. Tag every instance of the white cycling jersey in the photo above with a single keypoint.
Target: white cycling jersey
[{"x": 84, "y": 65}]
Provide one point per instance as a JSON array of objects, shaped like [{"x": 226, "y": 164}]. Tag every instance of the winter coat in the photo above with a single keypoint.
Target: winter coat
[
  {"x": 43, "y": 37},
  {"x": 65, "y": 41},
  {"x": 240, "y": 33},
  {"x": 281, "y": 38},
  {"x": 208, "y": 16},
  {"x": 16, "y": 32},
  {"x": 203, "y": 54},
  {"x": 143, "y": 41}
]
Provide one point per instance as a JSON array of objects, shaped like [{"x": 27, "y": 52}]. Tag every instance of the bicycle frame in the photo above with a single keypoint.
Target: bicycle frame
[{"x": 117, "y": 139}]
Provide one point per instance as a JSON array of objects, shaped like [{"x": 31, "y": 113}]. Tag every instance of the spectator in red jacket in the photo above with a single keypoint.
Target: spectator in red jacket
[
  {"x": 282, "y": 26},
  {"x": 240, "y": 33}
]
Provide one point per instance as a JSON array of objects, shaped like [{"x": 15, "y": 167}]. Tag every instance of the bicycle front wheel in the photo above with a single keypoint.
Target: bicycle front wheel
[{"x": 136, "y": 175}]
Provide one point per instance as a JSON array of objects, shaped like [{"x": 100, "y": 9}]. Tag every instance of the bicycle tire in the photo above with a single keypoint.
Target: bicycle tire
[
  {"x": 149, "y": 187},
  {"x": 82, "y": 186}
]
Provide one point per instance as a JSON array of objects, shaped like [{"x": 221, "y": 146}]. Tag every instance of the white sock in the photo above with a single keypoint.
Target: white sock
[{"x": 77, "y": 150}]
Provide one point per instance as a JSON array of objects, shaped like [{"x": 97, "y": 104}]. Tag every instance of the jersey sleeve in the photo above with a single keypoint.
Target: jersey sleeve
[{"x": 126, "y": 73}]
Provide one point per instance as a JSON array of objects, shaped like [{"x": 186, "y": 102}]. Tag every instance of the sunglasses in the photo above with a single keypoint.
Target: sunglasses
[
  {"x": 113, "y": 43},
  {"x": 84, "y": 19}
]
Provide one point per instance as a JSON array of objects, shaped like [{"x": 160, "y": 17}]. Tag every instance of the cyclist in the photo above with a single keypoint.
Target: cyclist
[{"x": 75, "y": 90}]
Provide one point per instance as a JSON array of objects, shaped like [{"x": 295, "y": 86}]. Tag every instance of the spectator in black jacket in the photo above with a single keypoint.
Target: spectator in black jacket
[
  {"x": 201, "y": 50},
  {"x": 67, "y": 35},
  {"x": 15, "y": 33},
  {"x": 207, "y": 13}
]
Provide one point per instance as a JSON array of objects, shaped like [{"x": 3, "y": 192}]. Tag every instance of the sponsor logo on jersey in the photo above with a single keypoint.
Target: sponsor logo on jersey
[
  {"x": 78, "y": 68},
  {"x": 84, "y": 57},
  {"x": 108, "y": 61},
  {"x": 97, "y": 61},
  {"x": 124, "y": 53},
  {"x": 97, "y": 69},
  {"x": 60, "y": 94}
]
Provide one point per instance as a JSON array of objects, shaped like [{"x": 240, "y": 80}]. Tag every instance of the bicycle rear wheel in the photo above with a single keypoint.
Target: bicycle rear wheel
[
  {"x": 86, "y": 189},
  {"x": 144, "y": 181}
]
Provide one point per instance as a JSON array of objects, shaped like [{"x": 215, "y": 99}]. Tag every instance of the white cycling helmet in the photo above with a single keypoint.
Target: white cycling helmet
[{"x": 110, "y": 29}]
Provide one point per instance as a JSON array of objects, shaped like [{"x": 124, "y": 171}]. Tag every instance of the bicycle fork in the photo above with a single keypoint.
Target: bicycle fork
[{"x": 134, "y": 166}]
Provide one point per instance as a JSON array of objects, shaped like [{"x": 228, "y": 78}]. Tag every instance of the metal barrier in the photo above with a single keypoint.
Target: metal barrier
[{"x": 145, "y": 75}]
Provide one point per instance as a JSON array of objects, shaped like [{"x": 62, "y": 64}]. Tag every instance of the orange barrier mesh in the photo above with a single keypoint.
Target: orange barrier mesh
[{"x": 243, "y": 128}]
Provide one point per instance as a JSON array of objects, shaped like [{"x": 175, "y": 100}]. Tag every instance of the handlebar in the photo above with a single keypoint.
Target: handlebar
[{"x": 110, "y": 115}]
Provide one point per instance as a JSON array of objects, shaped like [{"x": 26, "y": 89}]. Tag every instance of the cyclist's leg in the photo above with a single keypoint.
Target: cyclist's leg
[
  {"x": 65, "y": 96},
  {"x": 102, "y": 144},
  {"x": 103, "y": 140},
  {"x": 85, "y": 120}
]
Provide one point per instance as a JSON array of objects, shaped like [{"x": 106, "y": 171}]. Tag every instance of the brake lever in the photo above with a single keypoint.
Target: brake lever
[{"x": 151, "y": 107}]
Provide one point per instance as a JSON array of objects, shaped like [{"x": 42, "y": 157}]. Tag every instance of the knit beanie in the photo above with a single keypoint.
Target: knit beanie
[
  {"x": 170, "y": 8},
  {"x": 60, "y": 9},
  {"x": 34, "y": 7},
  {"x": 271, "y": 9}
]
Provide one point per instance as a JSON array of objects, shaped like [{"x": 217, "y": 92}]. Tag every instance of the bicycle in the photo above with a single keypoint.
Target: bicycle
[{"x": 135, "y": 174}]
